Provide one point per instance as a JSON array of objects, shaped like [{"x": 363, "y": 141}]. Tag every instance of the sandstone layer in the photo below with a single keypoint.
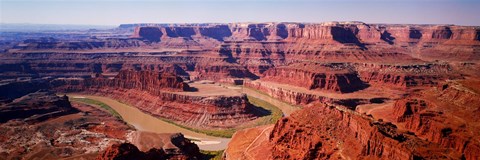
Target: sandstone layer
[
  {"x": 160, "y": 94},
  {"x": 177, "y": 147},
  {"x": 330, "y": 132},
  {"x": 43, "y": 125},
  {"x": 49, "y": 127},
  {"x": 446, "y": 115},
  {"x": 393, "y": 91}
]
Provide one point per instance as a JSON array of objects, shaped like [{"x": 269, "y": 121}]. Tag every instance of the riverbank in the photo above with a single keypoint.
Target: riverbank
[{"x": 145, "y": 122}]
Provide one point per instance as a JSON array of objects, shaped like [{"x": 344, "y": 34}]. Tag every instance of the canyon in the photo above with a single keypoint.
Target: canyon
[
  {"x": 42, "y": 125},
  {"x": 347, "y": 90}
]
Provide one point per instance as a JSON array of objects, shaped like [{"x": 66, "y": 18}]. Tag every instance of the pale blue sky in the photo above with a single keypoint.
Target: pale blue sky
[{"x": 112, "y": 12}]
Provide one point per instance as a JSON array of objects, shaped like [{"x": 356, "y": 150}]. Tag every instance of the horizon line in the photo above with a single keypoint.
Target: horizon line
[{"x": 117, "y": 25}]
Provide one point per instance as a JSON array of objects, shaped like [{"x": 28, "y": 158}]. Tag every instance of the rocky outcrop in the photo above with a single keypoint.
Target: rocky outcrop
[
  {"x": 149, "y": 33},
  {"x": 331, "y": 59},
  {"x": 343, "y": 32},
  {"x": 453, "y": 34},
  {"x": 51, "y": 128},
  {"x": 460, "y": 95},
  {"x": 150, "y": 81},
  {"x": 435, "y": 126},
  {"x": 16, "y": 89},
  {"x": 246, "y": 50},
  {"x": 404, "y": 76},
  {"x": 160, "y": 94},
  {"x": 446, "y": 115},
  {"x": 285, "y": 94},
  {"x": 184, "y": 150},
  {"x": 328, "y": 77},
  {"x": 341, "y": 133},
  {"x": 330, "y": 132},
  {"x": 193, "y": 111},
  {"x": 129, "y": 151},
  {"x": 220, "y": 72},
  {"x": 35, "y": 107}
]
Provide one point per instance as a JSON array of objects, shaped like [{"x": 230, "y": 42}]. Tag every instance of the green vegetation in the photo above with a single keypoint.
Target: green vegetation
[
  {"x": 275, "y": 113},
  {"x": 211, "y": 155},
  {"x": 263, "y": 93},
  {"x": 97, "y": 103},
  {"x": 273, "y": 117}
]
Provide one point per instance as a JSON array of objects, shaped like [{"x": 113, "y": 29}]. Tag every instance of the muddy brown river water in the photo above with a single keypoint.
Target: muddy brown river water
[{"x": 145, "y": 122}]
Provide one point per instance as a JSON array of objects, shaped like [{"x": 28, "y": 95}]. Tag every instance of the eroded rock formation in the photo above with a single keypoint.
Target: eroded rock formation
[
  {"x": 418, "y": 84},
  {"x": 35, "y": 107},
  {"x": 160, "y": 94},
  {"x": 316, "y": 76},
  {"x": 44, "y": 125},
  {"x": 184, "y": 149},
  {"x": 329, "y": 132},
  {"x": 445, "y": 116}
]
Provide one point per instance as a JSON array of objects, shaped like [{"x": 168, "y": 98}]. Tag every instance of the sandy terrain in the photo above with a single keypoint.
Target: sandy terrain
[
  {"x": 370, "y": 92},
  {"x": 210, "y": 89},
  {"x": 287, "y": 109}
]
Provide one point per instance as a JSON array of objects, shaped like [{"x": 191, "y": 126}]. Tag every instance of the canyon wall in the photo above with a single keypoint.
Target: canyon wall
[
  {"x": 287, "y": 95},
  {"x": 330, "y": 132},
  {"x": 52, "y": 127},
  {"x": 248, "y": 50},
  {"x": 342, "y": 32},
  {"x": 162, "y": 95},
  {"x": 426, "y": 74},
  {"x": 446, "y": 115},
  {"x": 316, "y": 76},
  {"x": 35, "y": 107},
  {"x": 174, "y": 146}
]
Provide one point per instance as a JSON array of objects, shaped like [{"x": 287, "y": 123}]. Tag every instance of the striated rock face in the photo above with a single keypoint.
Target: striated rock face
[
  {"x": 150, "y": 81},
  {"x": 185, "y": 150},
  {"x": 247, "y": 50},
  {"x": 343, "y": 32},
  {"x": 329, "y": 132},
  {"x": 204, "y": 112},
  {"x": 288, "y": 95},
  {"x": 341, "y": 133},
  {"x": 149, "y": 33},
  {"x": 464, "y": 95},
  {"x": 417, "y": 77},
  {"x": 429, "y": 116},
  {"x": 162, "y": 95},
  {"x": 404, "y": 75},
  {"x": 316, "y": 76}
]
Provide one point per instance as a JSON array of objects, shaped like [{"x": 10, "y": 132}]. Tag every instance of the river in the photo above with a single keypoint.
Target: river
[{"x": 145, "y": 122}]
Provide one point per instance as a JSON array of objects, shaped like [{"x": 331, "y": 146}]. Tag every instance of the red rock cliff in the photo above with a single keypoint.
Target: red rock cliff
[
  {"x": 316, "y": 76},
  {"x": 330, "y": 132},
  {"x": 160, "y": 94},
  {"x": 446, "y": 116},
  {"x": 184, "y": 149}
]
